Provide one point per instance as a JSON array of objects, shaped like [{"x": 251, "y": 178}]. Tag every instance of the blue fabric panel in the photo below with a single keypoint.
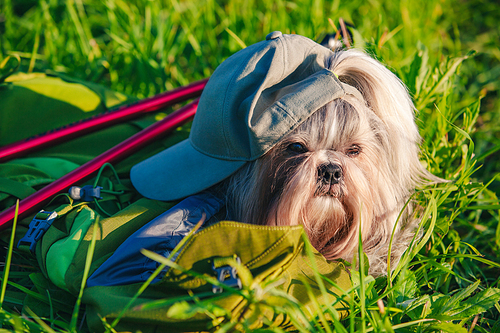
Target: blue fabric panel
[{"x": 127, "y": 265}]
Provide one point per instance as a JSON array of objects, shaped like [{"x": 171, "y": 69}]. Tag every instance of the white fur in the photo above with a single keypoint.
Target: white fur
[{"x": 284, "y": 187}]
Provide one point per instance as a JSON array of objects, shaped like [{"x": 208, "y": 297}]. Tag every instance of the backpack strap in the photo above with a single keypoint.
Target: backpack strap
[
  {"x": 16, "y": 189},
  {"x": 43, "y": 220},
  {"x": 39, "y": 225}
]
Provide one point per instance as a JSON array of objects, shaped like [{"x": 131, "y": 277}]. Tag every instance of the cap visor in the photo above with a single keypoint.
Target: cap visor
[{"x": 178, "y": 172}]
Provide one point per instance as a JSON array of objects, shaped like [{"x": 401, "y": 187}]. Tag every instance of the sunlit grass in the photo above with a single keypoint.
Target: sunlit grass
[{"x": 447, "y": 280}]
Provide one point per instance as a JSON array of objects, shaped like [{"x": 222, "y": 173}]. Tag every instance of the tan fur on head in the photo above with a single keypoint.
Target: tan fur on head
[{"x": 353, "y": 164}]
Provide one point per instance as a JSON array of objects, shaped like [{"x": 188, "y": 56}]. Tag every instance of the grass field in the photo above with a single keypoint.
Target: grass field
[{"x": 446, "y": 51}]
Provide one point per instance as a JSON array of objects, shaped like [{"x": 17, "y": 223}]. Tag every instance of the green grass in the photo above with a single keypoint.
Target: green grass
[{"x": 447, "y": 281}]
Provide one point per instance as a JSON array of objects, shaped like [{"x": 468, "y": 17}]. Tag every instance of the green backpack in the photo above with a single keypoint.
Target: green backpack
[
  {"x": 178, "y": 302},
  {"x": 224, "y": 274}
]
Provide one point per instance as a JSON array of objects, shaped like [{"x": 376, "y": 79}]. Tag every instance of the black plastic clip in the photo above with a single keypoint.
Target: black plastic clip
[
  {"x": 86, "y": 193},
  {"x": 226, "y": 274},
  {"x": 38, "y": 226}
]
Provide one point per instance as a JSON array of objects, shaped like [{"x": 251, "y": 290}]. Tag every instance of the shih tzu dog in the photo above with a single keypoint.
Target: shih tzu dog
[
  {"x": 352, "y": 164},
  {"x": 289, "y": 132}
]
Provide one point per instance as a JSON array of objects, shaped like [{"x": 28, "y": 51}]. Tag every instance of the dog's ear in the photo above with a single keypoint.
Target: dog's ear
[
  {"x": 388, "y": 98},
  {"x": 383, "y": 91}
]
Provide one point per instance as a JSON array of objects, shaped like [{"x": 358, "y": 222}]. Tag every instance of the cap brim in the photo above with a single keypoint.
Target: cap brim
[{"x": 179, "y": 171}]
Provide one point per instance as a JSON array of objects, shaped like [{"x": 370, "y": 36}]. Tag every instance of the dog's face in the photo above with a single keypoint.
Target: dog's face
[
  {"x": 327, "y": 174},
  {"x": 351, "y": 165}
]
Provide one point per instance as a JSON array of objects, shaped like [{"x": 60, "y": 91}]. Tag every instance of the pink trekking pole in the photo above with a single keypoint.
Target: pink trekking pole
[
  {"x": 35, "y": 202},
  {"x": 102, "y": 120}
]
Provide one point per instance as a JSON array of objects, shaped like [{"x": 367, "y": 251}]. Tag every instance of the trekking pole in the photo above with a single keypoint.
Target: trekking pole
[
  {"x": 157, "y": 130},
  {"x": 100, "y": 121}
]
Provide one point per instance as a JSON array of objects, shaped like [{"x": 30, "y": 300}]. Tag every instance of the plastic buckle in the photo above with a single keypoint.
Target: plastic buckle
[
  {"x": 38, "y": 226},
  {"x": 86, "y": 193},
  {"x": 226, "y": 275}
]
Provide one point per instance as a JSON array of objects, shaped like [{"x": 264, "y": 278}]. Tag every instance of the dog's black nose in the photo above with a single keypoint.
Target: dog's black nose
[{"x": 330, "y": 173}]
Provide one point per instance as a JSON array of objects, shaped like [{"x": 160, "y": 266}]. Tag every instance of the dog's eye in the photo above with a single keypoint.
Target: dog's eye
[
  {"x": 297, "y": 148},
  {"x": 353, "y": 151}
]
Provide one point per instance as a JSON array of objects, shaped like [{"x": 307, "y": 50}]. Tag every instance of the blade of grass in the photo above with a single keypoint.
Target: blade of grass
[
  {"x": 9, "y": 256},
  {"x": 361, "y": 269},
  {"x": 389, "y": 270},
  {"x": 236, "y": 38},
  {"x": 88, "y": 263},
  {"x": 40, "y": 322},
  {"x": 321, "y": 285}
]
